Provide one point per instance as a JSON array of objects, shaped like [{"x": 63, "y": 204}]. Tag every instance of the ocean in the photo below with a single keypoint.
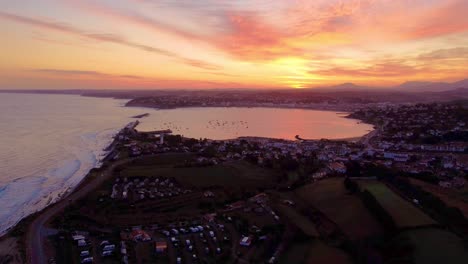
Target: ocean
[{"x": 48, "y": 143}]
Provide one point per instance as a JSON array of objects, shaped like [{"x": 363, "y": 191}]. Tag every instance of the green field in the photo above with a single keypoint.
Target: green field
[
  {"x": 403, "y": 213},
  {"x": 434, "y": 246},
  {"x": 236, "y": 174},
  {"x": 331, "y": 198}
]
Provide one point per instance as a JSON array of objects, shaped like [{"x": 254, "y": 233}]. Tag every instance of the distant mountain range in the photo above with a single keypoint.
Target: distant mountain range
[
  {"x": 404, "y": 87},
  {"x": 432, "y": 86},
  {"x": 407, "y": 87}
]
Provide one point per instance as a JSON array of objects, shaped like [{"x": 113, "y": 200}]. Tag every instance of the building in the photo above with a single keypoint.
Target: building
[
  {"x": 246, "y": 241},
  {"x": 160, "y": 246},
  {"x": 140, "y": 235},
  {"x": 337, "y": 167},
  {"x": 401, "y": 157}
]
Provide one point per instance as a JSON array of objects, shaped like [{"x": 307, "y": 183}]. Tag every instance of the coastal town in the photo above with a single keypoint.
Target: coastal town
[
  {"x": 234, "y": 132},
  {"x": 163, "y": 198}
]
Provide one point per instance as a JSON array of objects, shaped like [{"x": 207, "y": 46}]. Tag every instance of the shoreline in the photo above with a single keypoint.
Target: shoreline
[
  {"x": 318, "y": 107},
  {"x": 337, "y": 110},
  {"x": 62, "y": 194},
  {"x": 106, "y": 159}
]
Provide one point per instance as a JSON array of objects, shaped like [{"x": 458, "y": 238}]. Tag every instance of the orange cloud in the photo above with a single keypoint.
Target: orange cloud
[
  {"x": 386, "y": 69},
  {"x": 77, "y": 79},
  {"x": 251, "y": 38}
]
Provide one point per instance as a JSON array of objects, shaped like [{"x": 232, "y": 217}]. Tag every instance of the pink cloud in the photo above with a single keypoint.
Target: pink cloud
[{"x": 105, "y": 37}]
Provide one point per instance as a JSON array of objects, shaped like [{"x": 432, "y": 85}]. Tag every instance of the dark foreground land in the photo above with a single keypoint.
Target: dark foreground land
[{"x": 256, "y": 200}]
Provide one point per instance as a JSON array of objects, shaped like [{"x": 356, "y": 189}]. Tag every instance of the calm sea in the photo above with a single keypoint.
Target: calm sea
[{"x": 49, "y": 142}]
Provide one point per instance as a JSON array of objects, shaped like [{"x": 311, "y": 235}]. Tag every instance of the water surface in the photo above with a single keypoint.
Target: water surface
[{"x": 226, "y": 123}]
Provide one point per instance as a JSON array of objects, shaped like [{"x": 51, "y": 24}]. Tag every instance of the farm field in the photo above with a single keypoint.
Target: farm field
[
  {"x": 403, "y": 213},
  {"x": 236, "y": 173},
  {"x": 301, "y": 221},
  {"x": 322, "y": 253},
  {"x": 331, "y": 198},
  {"x": 310, "y": 252},
  {"x": 453, "y": 198},
  {"x": 433, "y": 246}
]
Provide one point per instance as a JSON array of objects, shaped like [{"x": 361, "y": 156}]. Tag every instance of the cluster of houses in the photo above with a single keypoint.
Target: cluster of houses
[
  {"x": 408, "y": 126},
  {"x": 134, "y": 189}
]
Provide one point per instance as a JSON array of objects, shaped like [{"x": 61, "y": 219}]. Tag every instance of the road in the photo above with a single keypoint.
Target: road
[
  {"x": 366, "y": 139},
  {"x": 37, "y": 231}
]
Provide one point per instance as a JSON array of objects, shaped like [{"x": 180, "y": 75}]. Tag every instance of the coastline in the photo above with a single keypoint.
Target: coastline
[
  {"x": 109, "y": 149},
  {"x": 104, "y": 161},
  {"x": 29, "y": 227},
  {"x": 318, "y": 107},
  {"x": 62, "y": 194}
]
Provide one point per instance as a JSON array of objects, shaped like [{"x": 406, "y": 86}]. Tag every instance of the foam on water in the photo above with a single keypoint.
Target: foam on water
[{"x": 26, "y": 195}]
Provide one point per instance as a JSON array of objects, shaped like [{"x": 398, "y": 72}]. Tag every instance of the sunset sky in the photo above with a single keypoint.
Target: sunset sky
[{"x": 69, "y": 44}]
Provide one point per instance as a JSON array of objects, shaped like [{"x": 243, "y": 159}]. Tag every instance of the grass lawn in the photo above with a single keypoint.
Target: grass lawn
[
  {"x": 433, "y": 246},
  {"x": 403, "y": 212},
  {"x": 236, "y": 174},
  {"x": 331, "y": 197}
]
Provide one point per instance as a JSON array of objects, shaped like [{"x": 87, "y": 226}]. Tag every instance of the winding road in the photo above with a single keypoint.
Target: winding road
[{"x": 37, "y": 231}]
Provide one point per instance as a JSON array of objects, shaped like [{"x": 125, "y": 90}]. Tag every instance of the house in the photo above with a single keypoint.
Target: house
[
  {"x": 209, "y": 217},
  {"x": 160, "y": 246},
  {"x": 123, "y": 248},
  {"x": 445, "y": 184},
  {"x": 140, "y": 235},
  {"x": 246, "y": 241},
  {"x": 319, "y": 175},
  {"x": 402, "y": 157},
  {"x": 208, "y": 194},
  {"x": 259, "y": 198},
  {"x": 236, "y": 205},
  {"x": 78, "y": 237},
  {"x": 338, "y": 167}
]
